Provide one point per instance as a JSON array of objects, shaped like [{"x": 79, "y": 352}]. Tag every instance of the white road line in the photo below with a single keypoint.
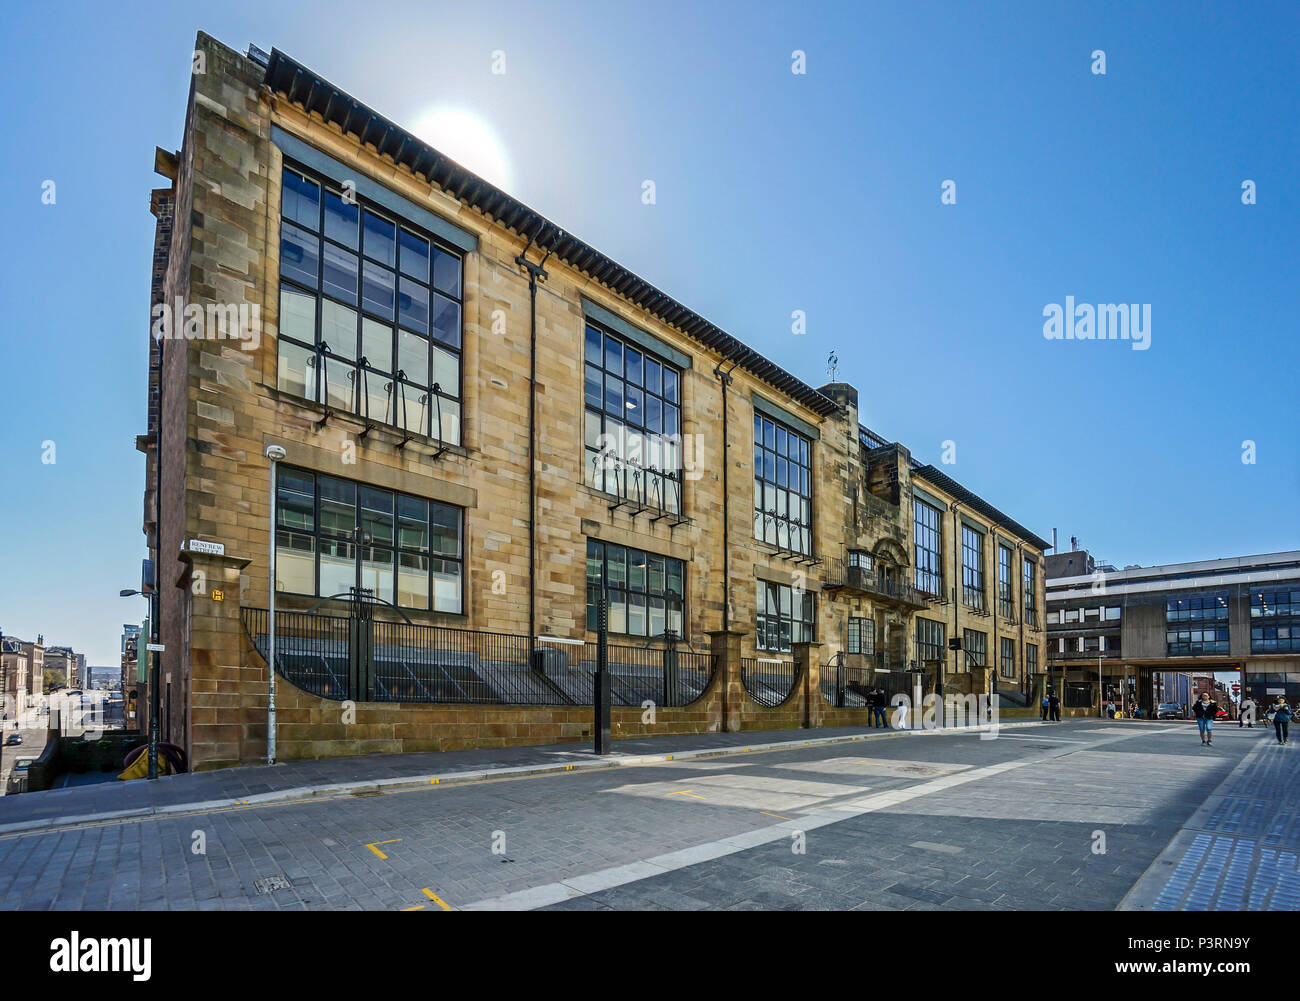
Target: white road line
[{"x": 605, "y": 879}]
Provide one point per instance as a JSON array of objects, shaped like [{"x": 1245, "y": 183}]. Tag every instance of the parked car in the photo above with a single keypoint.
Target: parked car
[
  {"x": 14, "y": 738},
  {"x": 1170, "y": 710}
]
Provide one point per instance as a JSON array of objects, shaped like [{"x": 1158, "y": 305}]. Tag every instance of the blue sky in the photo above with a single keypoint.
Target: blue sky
[{"x": 775, "y": 192}]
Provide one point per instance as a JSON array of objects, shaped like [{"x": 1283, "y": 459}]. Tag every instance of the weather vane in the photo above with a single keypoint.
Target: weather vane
[{"x": 832, "y": 366}]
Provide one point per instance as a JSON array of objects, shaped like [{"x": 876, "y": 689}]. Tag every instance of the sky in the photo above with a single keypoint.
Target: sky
[{"x": 775, "y": 191}]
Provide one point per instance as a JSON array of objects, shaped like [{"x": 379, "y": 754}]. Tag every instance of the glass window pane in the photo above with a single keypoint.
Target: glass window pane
[
  {"x": 297, "y": 315},
  {"x": 636, "y": 567},
  {"x": 338, "y": 329},
  {"x": 412, "y": 580},
  {"x": 446, "y": 320},
  {"x": 613, "y": 394},
  {"x": 446, "y": 586},
  {"x": 295, "y": 561},
  {"x": 341, "y": 220},
  {"x": 593, "y": 348},
  {"x": 446, "y": 272},
  {"x": 670, "y": 385},
  {"x": 592, "y": 388},
  {"x": 377, "y": 344},
  {"x": 633, "y": 366},
  {"x": 446, "y": 419},
  {"x": 300, "y": 200},
  {"x": 340, "y": 274},
  {"x": 413, "y": 306},
  {"x": 446, "y": 529},
  {"x": 297, "y": 370},
  {"x": 446, "y": 371},
  {"x": 413, "y": 357},
  {"x": 412, "y": 523},
  {"x": 338, "y": 570},
  {"x": 652, "y": 376},
  {"x": 613, "y": 356},
  {"x": 377, "y": 294},
  {"x": 377, "y": 571},
  {"x": 415, "y": 256},
  {"x": 299, "y": 255},
  {"x": 338, "y": 507},
  {"x": 379, "y": 239}
]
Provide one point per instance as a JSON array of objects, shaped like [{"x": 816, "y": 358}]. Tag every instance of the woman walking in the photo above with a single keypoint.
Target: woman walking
[
  {"x": 1204, "y": 712},
  {"x": 1282, "y": 720}
]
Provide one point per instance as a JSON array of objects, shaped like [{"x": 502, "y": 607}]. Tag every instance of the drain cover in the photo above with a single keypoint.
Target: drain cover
[{"x": 269, "y": 884}]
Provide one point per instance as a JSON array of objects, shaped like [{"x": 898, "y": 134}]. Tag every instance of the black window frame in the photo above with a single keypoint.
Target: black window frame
[
  {"x": 440, "y": 406},
  {"x": 657, "y": 484},
  {"x": 1007, "y": 657},
  {"x": 932, "y": 638},
  {"x": 769, "y": 521},
  {"x": 975, "y": 643},
  {"x": 928, "y": 570},
  {"x": 1006, "y": 589},
  {"x": 771, "y": 621},
  {"x": 973, "y": 592},
  {"x": 622, "y": 592},
  {"x": 855, "y": 633},
  {"x": 320, "y": 535}
]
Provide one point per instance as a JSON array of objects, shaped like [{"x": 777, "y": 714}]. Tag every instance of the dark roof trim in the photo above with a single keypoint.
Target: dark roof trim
[
  {"x": 782, "y": 416},
  {"x": 301, "y": 86},
  {"x": 950, "y": 486}
]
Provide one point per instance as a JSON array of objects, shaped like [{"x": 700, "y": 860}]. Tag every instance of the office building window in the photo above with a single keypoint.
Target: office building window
[
  {"x": 646, "y": 593},
  {"x": 1031, "y": 659},
  {"x": 1030, "y": 590},
  {"x": 1008, "y": 661},
  {"x": 332, "y": 533},
  {"x": 785, "y": 616},
  {"x": 1275, "y": 621},
  {"x": 862, "y": 636},
  {"x": 931, "y": 641},
  {"x": 1199, "y": 608},
  {"x": 632, "y": 423},
  {"x": 782, "y": 486},
  {"x": 928, "y": 538},
  {"x": 972, "y": 567},
  {"x": 370, "y": 311}
]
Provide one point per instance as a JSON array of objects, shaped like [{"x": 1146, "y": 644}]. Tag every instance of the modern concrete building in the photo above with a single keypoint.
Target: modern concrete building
[
  {"x": 487, "y": 427},
  {"x": 1125, "y": 626}
]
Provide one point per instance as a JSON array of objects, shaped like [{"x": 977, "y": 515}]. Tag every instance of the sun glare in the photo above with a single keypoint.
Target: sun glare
[{"x": 468, "y": 140}]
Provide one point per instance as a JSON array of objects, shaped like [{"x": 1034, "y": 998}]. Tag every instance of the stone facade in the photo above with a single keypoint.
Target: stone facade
[{"x": 222, "y": 405}]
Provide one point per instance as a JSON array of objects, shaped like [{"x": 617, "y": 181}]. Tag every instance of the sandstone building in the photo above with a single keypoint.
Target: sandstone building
[{"x": 487, "y": 425}]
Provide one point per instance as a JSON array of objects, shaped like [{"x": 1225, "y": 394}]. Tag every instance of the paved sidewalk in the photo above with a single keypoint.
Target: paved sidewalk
[
  {"x": 1241, "y": 850},
  {"x": 392, "y": 772}
]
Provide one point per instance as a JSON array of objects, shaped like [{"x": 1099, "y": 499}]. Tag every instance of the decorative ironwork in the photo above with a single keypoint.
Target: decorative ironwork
[{"x": 769, "y": 682}]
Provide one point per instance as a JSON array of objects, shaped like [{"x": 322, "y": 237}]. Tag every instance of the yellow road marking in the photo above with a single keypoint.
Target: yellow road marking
[
  {"x": 390, "y": 841},
  {"x": 684, "y": 792},
  {"x": 434, "y": 782},
  {"x": 417, "y": 907},
  {"x": 436, "y": 899},
  {"x": 777, "y": 815},
  {"x": 670, "y": 757}
]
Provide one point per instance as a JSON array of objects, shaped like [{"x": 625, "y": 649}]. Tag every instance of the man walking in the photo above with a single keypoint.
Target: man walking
[
  {"x": 1047, "y": 702},
  {"x": 1054, "y": 704},
  {"x": 1246, "y": 713},
  {"x": 1205, "y": 711},
  {"x": 879, "y": 702}
]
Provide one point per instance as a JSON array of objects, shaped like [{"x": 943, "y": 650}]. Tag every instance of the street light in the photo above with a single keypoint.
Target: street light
[
  {"x": 275, "y": 454},
  {"x": 154, "y": 707}
]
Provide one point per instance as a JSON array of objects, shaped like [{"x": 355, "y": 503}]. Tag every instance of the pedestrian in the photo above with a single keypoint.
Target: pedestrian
[
  {"x": 1204, "y": 711},
  {"x": 1282, "y": 720},
  {"x": 1047, "y": 702},
  {"x": 1054, "y": 704},
  {"x": 1110, "y": 709},
  {"x": 1246, "y": 713},
  {"x": 879, "y": 706}
]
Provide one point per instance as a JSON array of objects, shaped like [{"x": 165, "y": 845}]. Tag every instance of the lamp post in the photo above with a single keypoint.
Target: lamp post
[
  {"x": 274, "y": 453},
  {"x": 153, "y": 675}
]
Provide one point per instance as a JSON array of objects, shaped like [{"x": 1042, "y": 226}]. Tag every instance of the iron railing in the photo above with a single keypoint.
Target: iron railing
[
  {"x": 358, "y": 658},
  {"x": 847, "y": 687},
  {"x": 768, "y": 682},
  {"x": 875, "y": 580}
]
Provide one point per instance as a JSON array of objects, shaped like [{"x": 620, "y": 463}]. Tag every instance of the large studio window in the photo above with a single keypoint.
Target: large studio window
[
  {"x": 782, "y": 486},
  {"x": 370, "y": 311},
  {"x": 786, "y": 615},
  {"x": 332, "y": 534},
  {"x": 632, "y": 422},
  {"x": 927, "y": 537}
]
